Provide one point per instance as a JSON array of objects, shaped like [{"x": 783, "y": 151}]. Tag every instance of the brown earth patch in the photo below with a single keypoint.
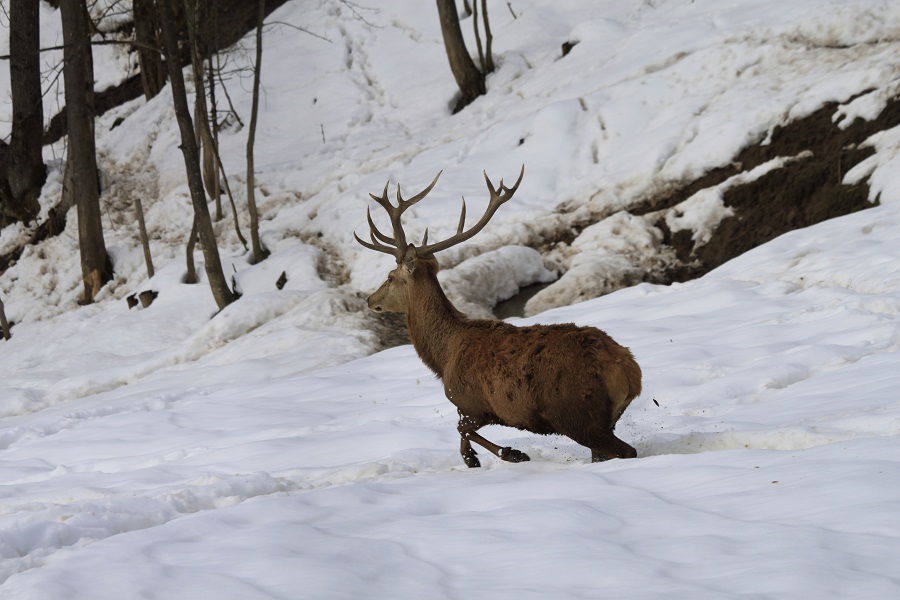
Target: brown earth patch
[{"x": 800, "y": 194}]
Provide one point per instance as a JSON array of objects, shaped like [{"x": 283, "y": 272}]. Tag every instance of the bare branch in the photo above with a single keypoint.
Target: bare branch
[
  {"x": 299, "y": 28},
  {"x": 133, "y": 43}
]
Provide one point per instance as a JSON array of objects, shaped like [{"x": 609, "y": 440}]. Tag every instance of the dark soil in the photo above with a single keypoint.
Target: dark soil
[{"x": 803, "y": 192}]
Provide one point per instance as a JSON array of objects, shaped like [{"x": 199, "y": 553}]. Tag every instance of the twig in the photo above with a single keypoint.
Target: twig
[
  {"x": 299, "y": 28},
  {"x": 225, "y": 89},
  {"x": 355, "y": 8},
  {"x": 134, "y": 43}
]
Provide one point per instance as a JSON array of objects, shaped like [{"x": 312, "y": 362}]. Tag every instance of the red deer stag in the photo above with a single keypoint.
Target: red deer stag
[{"x": 547, "y": 379}]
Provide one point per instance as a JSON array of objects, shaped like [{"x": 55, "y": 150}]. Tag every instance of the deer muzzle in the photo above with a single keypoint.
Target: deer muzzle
[{"x": 374, "y": 304}]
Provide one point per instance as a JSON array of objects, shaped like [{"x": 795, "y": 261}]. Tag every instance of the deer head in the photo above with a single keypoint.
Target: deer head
[{"x": 394, "y": 293}]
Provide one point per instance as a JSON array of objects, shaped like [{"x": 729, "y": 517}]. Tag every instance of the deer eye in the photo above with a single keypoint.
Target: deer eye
[{"x": 390, "y": 279}]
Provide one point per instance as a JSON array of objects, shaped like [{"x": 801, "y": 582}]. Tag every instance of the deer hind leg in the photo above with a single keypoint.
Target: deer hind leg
[
  {"x": 611, "y": 447},
  {"x": 468, "y": 430}
]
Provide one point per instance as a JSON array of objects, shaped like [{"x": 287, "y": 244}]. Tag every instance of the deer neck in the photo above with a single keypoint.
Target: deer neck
[{"x": 433, "y": 322}]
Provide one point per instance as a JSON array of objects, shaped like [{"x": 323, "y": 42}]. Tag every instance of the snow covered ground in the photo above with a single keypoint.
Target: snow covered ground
[{"x": 268, "y": 453}]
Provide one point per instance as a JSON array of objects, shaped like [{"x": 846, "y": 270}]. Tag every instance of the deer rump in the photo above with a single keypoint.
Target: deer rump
[{"x": 546, "y": 379}]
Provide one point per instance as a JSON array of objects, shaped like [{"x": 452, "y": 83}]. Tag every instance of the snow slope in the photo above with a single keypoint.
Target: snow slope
[{"x": 267, "y": 453}]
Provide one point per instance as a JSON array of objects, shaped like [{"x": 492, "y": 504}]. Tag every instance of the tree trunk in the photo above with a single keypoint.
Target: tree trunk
[
  {"x": 211, "y": 171},
  {"x": 26, "y": 170},
  {"x": 78, "y": 72},
  {"x": 478, "y": 36},
  {"x": 258, "y": 253},
  {"x": 200, "y": 109},
  {"x": 146, "y": 33},
  {"x": 488, "y": 40},
  {"x": 4, "y": 324},
  {"x": 212, "y": 263},
  {"x": 468, "y": 78},
  {"x": 145, "y": 241},
  {"x": 190, "y": 277}
]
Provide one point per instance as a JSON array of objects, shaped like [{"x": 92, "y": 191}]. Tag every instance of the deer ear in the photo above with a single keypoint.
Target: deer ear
[{"x": 410, "y": 259}]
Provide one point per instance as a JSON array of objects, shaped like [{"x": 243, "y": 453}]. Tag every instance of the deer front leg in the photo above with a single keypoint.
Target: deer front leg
[
  {"x": 468, "y": 430},
  {"x": 470, "y": 457}
]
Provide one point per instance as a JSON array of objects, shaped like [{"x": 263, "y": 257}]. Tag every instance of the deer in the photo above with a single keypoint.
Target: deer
[{"x": 560, "y": 379}]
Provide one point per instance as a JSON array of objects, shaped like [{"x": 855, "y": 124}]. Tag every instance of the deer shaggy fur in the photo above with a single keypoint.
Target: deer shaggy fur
[{"x": 546, "y": 379}]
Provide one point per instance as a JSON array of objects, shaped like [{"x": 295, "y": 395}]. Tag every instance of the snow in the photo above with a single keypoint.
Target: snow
[{"x": 270, "y": 451}]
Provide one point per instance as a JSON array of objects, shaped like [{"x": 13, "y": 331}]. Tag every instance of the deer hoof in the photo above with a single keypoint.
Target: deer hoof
[
  {"x": 513, "y": 455},
  {"x": 471, "y": 460}
]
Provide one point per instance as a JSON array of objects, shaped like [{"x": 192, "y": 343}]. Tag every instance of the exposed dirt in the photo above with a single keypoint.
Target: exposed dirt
[{"x": 802, "y": 193}]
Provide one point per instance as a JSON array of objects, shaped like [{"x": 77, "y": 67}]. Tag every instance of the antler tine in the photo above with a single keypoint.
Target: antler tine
[
  {"x": 396, "y": 245},
  {"x": 462, "y": 217},
  {"x": 502, "y": 188},
  {"x": 505, "y": 193},
  {"x": 376, "y": 246},
  {"x": 407, "y": 203},
  {"x": 383, "y": 199},
  {"x": 374, "y": 232}
]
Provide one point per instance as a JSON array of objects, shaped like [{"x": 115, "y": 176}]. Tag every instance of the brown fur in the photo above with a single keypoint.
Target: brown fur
[{"x": 562, "y": 379}]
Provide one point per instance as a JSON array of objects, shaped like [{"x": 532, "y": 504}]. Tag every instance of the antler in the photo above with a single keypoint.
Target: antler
[
  {"x": 396, "y": 245},
  {"x": 499, "y": 195}
]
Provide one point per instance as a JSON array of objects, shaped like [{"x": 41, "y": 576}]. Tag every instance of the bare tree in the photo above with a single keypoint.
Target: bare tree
[
  {"x": 258, "y": 252},
  {"x": 468, "y": 78},
  {"x": 81, "y": 161},
  {"x": 212, "y": 162},
  {"x": 25, "y": 170},
  {"x": 213, "y": 264}
]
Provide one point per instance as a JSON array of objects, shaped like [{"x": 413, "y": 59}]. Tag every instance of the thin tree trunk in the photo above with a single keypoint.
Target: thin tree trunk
[
  {"x": 202, "y": 134},
  {"x": 145, "y": 241},
  {"x": 191, "y": 276},
  {"x": 212, "y": 263},
  {"x": 216, "y": 191},
  {"x": 477, "y": 36},
  {"x": 79, "y": 81},
  {"x": 27, "y": 171},
  {"x": 468, "y": 78},
  {"x": 200, "y": 106},
  {"x": 208, "y": 157},
  {"x": 237, "y": 226},
  {"x": 488, "y": 40},
  {"x": 213, "y": 116},
  {"x": 4, "y": 324},
  {"x": 258, "y": 253},
  {"x": 153, "y": 77}
]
